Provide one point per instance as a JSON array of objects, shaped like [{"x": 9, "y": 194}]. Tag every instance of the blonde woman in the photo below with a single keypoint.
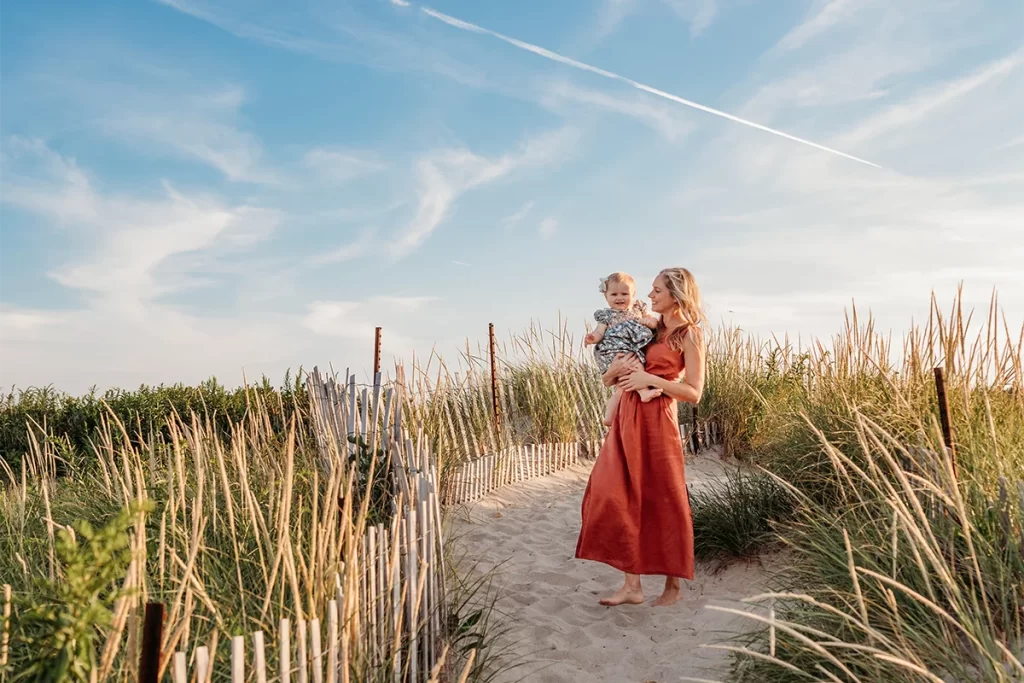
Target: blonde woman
[{"x": 636, "y": 512}]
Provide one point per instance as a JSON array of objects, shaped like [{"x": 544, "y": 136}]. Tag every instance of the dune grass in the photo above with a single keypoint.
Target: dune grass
[
  {"x": 897, "y": 570},
  {"x": 239, "y": 534}
]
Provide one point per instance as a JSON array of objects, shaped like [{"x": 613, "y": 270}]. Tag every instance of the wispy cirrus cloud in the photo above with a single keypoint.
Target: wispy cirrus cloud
[
  {"x": 357, "y": 320},
  {"x": 139, "y": 103},
  {"x": 134, "y": 240},
  {"x": 565, "y": 95},
  {"x": 337, "y": 32},
  {"x": 339, "y": 166},
  {"x": 882, "y": 237},
  {"x": 927, "y": 100},
  {"x": 357, "y": 248},
  {"x": 697, "y": 14},
  {"x": 555, "y": 57},
  {"x": 442, "y": 177},
  {"x": 514, "y": 219},
  {"x": 824, "y": 16}
]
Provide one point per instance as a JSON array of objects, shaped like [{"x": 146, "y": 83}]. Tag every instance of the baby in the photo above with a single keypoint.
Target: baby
[{"x": 624, "y": 327}]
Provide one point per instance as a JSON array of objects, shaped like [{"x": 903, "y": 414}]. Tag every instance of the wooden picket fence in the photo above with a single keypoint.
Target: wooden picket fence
[
  {"x": 479, "y": 477},
  {"x": 388, "y": 613},
  {"x": 476, "y": 478}
]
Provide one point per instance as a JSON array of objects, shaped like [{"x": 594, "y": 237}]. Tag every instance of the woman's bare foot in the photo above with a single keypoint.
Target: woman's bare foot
[
  {"x": 649, "y": 394},
  {"x": 631, "y": 593},
  {"x": 624, "y": 596},
  {"x": 671, "y": 595}
]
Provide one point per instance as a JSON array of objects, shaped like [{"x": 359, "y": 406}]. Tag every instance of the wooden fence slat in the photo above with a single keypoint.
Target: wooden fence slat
[
  {"x": 284, "y": 651},
  {"x": 5, "y": 645},
  {"x": 318, "y": 654},
  {"x": 203, "y": 673},
  {"x": 259, "y": 657},
  {"x": 332, "y": 641},
  {"x": 179, "y": 670},
  {"x": 238, "y": 659},
  {"x": 303, "y": 652}
]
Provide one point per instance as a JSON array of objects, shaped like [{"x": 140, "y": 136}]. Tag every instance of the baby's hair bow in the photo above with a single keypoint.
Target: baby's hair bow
[{"x": 603, "y": 287}]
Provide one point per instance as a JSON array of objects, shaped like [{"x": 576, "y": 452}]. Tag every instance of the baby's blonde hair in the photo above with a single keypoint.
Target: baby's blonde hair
[
  {"x": 684, "y": 290},
  {"x": 615, "y": 277}
]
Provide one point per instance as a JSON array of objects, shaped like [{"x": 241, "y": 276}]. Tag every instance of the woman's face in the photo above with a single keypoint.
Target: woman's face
[{"x": 661, "y": 300}]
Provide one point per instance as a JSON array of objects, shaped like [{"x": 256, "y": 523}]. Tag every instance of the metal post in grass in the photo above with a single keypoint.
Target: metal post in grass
[
  {"x": 494, "y": 380},
  {"x": 152, "y": 635},
  {"x": 376, "y": 353},
  {"x": 947, "y": 430}
]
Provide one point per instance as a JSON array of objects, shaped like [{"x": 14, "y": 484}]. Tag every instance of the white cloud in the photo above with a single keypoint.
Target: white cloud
[
  {"x": 347, "y": 252},
  {"x": 548, "y": 228},
  {"x": 924, "y": 103},
  {"x": 1016, "y": 142},
  {"x": 826, "y": 15},
  {"x": 337, "y": 167},
  {"x": 516, "y": 218},
  {"x": 645, "y": 109},
  {"x": 337, "y": 32},
  {"x": 135, "y": 239},
  {"x": 198, "y": 127},
  {"x": 444, "y": 176},
  {"x": 399, "y": 3},
  {"x": 555, "y": 57},
  {"x": 611, "y": 15},
  {"x": 793, "y": 236},
  {"x": 698, "y": 14},
  {"x": 17, "y": 323},
  {"x": 358, "y": 320}
]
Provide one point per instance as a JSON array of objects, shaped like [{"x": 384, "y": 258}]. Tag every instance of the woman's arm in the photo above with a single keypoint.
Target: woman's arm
[
  {"x": 622, "y": 366},
  {"x": 689, "y": 390}
]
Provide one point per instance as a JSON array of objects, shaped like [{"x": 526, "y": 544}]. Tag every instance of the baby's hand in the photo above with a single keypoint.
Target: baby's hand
[
  {"x": 592, "y": 338},
  {"x": 650, "y": 321}
]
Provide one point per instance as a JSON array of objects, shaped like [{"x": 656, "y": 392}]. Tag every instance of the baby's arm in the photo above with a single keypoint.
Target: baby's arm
[
  {"x": 602, "y": 317},
  {"x": 646, "y": 319}
]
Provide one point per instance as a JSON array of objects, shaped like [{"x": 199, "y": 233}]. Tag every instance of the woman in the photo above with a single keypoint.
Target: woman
[{"x": 636, "y": 512}]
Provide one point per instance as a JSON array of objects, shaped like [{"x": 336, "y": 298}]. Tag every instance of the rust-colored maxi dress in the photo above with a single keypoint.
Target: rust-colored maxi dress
[{"x": 636, "y": 512}]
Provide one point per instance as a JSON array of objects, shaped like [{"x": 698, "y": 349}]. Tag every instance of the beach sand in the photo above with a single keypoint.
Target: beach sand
[{"x": 559, "y": 633}]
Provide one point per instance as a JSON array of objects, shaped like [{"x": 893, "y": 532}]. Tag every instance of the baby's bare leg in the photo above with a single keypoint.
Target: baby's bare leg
[{"x": 613, "y": 403}]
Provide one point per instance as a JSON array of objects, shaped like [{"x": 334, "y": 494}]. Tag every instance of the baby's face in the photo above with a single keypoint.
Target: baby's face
[{"x": 619, "y": 296}]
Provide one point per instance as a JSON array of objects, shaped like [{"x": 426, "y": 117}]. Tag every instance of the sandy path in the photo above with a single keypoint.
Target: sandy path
[{"x": 528, "y": 532}]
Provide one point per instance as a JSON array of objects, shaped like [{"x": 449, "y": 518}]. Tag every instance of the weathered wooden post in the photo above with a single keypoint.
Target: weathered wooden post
[
  {"x": 152, "y": 636},
  {"x": 947, "y": 430},
  {"x": 494, "y": 380},
  {"x": 376, "y": 354}
]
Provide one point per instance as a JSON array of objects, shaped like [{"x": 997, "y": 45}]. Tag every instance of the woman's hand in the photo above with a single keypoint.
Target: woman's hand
[
  {"x": 637, "y": 381},
  {"x": 622, "y": 365}
]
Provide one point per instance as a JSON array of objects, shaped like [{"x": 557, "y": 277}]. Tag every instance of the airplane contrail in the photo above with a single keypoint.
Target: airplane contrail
[{"x": 554, "y": 56}]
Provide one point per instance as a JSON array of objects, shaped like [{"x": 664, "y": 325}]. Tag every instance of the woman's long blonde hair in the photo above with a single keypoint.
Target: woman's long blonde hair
[{"x": 683, "y": 287}]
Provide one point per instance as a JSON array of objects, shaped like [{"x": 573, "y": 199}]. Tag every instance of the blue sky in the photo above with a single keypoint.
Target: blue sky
[{"x": 195, "y": 188}]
